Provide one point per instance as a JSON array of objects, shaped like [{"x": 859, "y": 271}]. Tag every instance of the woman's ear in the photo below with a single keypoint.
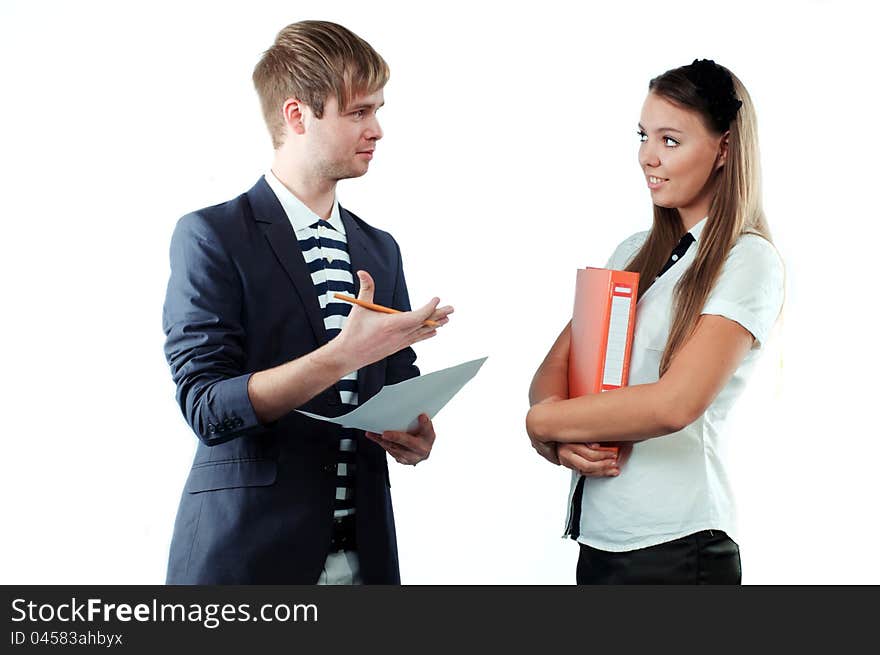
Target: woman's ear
[{"x": 721, "y": 157}]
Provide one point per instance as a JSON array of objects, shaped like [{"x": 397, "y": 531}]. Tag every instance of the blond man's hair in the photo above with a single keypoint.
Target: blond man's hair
[{"x": 309, "y": 61}]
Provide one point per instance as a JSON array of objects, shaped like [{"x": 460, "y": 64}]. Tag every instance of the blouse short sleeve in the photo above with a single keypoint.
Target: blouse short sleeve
[
  {"x": 625, "y": 251},
  {"x": 751, "y": 287}
]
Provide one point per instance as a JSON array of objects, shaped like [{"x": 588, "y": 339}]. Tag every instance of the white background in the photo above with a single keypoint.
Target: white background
[{"x": 509, "y": 160}]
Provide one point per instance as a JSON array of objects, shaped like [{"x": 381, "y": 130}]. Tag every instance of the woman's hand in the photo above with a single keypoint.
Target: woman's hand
[
  {"x": 590, "y": 461},
  {"x": 546, "y": 450}
]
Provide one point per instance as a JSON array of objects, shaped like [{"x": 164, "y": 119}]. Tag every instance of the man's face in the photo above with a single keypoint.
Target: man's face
[{"x": 340, "y": 144}]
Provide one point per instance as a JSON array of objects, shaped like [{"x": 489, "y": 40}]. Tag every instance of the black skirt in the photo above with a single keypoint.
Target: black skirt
[{"x": 707, "y": 557}]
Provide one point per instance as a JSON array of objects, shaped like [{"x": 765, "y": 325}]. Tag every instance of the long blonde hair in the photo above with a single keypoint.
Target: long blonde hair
[{"x": 736, "y": 209}]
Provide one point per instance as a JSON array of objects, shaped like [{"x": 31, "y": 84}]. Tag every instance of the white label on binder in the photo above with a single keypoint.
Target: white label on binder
[{"x": 618, "y": 326}]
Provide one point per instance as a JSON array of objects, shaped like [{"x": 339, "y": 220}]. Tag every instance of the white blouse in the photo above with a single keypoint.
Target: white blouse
[{"x": 677, "y": 484}]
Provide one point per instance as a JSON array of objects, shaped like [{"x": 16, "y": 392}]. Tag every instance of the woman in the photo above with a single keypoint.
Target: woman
[{"x": 710, "y": 289}]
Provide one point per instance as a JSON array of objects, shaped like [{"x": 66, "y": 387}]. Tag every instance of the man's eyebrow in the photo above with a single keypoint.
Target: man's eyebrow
[
  {"x": 365, "y": 105},
  {"x": 662, "y": 129}
]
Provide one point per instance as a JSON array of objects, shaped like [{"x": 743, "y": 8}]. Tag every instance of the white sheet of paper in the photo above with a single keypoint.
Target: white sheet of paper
[{"x": 397, "y": 406}]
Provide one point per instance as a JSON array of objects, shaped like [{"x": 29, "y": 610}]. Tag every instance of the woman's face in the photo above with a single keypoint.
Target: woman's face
[{"x": 678, "y": 156}]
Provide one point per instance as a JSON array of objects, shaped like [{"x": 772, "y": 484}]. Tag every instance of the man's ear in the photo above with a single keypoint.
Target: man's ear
[
  {"x": 723, "y": 147},
  {"x": 293, "y": 111}
]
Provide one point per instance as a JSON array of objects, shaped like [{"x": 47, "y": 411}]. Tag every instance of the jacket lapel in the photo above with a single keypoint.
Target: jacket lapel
[
  {"x": 282, "y": 239},
  {"x": 361, "y": 258},
  {"x": 364, "y": 258}
]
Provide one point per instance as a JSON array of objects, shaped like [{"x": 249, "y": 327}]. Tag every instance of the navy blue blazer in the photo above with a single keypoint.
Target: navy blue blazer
[{"x": 257, "y": 507}]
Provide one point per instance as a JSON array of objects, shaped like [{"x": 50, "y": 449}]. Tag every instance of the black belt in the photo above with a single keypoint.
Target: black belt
[{"x": 342, "y": 536}]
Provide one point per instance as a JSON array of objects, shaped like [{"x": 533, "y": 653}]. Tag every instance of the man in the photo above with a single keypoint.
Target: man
[{"x": 254, "y": 332}]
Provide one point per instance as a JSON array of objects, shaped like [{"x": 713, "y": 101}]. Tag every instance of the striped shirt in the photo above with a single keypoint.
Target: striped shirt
[{"x": 325, "y": 250}]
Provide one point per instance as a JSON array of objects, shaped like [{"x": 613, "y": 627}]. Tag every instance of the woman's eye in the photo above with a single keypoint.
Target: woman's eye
[
  {"x": 669, "y": 141},
  {"x": 642, "y": 136}
]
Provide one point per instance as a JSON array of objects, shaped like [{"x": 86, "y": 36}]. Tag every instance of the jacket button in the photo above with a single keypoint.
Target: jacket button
[
  {"x": 211, "y": 428},
  {"x": 238, "y": 422}
]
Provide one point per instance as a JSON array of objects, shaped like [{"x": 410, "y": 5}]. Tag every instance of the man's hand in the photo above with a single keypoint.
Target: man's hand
[
  {"x": 408, "y": 447},
  {"x": 587, "y": 460},
  {"x": 369, "y": 336}
]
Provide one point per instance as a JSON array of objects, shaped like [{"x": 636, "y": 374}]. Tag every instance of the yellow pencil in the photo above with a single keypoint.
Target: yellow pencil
[{"x": 377, "y": 308}]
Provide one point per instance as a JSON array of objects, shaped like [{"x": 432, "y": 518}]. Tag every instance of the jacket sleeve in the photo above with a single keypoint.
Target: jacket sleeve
[
  {"x": 401, "y": 365},
  {"x": 205, "y": 337}
]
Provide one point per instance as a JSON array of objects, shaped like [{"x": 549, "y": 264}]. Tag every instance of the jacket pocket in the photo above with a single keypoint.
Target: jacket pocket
[{"x": 230, "y": 474}]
